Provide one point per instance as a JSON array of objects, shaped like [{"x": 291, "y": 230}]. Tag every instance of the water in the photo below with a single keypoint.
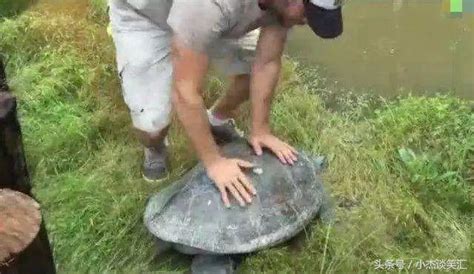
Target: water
[{"x": 393, "y": 47}]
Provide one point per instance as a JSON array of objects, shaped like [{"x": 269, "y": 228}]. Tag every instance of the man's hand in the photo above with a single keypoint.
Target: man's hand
[
  {"x": 284, "y": 152},
  {"x": 228, "y": 176}
]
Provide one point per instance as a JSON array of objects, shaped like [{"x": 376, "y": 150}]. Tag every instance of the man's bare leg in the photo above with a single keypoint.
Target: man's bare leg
[
  {"x": 155, "y": 167},
  {"x": 227, "y": 106},
  {"x": 220, "y": 116},
  {"x": 152, "y": 140}
]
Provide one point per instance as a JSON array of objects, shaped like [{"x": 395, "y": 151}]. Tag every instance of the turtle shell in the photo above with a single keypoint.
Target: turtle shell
[{"x": 190, "y": 212}]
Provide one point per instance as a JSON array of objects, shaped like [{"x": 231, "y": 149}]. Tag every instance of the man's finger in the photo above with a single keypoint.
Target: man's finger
[
  {"x": 281, "y": 157},
  {"x": 256, "y": 147},
  {"x": 224, "y": 196},
  {"x": 293, "y": 156},
  {"x": 242, "y": 191},
  {"x": 235, "y": 193},
  {"x": 288, "y": 157},
  {"x": 293, "y": 149},
  {"x": 244, "y": 164},
  {"x": 293, "y": 153},
  {"x": 243, "y": 179}
]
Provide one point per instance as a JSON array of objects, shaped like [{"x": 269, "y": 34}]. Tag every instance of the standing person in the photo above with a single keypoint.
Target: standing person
[{"x": 164, "y": 48}]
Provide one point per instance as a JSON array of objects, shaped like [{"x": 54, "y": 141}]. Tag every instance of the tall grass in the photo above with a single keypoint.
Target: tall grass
[{"x": 399, "y": 171}]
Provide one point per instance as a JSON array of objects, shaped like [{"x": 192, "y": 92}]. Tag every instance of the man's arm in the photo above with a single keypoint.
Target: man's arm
[
  {"x": 265, "y": 74},
  {"x": 189, "y": 71}
]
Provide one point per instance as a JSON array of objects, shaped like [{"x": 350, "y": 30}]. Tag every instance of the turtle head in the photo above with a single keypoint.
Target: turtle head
[{"x": 320, "y": 163}]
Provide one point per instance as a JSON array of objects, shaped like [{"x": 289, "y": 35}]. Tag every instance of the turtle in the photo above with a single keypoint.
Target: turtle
[{"x": 190, "y": 217}]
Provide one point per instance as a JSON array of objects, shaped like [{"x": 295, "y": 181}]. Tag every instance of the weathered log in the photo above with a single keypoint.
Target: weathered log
[
  {"x": 20, "y": 222},
  {"x": 37, "y": 257}
]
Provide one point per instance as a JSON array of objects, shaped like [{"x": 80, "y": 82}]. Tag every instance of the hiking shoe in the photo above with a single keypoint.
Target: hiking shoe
[
  {"x": 226, "y": 132},
  {"x": 155, "y": 166}
]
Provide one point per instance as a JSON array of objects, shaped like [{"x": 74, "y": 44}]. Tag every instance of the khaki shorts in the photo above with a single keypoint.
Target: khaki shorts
[{"x": 144, "y": 63}]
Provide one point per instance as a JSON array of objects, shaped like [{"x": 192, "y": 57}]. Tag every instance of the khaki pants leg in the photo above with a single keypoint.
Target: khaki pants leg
[{"x": 144, "y": 64}]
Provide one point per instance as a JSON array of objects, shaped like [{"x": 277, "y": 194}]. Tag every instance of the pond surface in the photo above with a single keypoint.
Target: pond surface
[{"x": 392, "y": 47}]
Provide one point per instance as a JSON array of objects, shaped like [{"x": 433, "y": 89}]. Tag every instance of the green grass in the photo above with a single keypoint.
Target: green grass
[{"x": 400, "y": 170}]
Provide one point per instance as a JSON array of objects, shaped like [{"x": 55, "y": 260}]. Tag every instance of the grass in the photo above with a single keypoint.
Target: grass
[{"x": 400, "y": 171}]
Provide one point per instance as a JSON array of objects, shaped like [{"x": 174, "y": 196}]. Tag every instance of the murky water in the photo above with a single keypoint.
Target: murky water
[{"x": 392, "y": 47}]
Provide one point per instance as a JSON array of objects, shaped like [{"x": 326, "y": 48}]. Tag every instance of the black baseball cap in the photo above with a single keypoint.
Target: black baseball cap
[{"x": 324, "y": 17}]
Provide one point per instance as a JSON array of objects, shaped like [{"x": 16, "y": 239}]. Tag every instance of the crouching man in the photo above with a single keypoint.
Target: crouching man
[{"x": 164, "y": 48}]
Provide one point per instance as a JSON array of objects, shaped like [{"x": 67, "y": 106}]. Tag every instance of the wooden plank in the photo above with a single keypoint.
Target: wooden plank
[{"x": 20, "y": 222}]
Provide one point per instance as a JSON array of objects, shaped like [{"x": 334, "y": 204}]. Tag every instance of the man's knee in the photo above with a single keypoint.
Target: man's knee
[
  {"x": 146, "y": 90},
  {"x": 152, "y": 119}
]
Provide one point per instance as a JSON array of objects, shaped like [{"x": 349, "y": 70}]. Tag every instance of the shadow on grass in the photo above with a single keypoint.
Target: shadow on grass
[
  {"x": 171, "y": 260},
  {"x": 10, "y": 8}
]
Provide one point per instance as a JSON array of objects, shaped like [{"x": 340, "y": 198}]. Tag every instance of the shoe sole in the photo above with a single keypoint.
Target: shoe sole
[{"x": 155, "y": 180}]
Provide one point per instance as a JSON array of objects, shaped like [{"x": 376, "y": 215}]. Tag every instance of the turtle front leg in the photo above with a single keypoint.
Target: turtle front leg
[
  {"x": 326, "y": 211},
  {"x": 161, "y": 246},
  {"x": 213, "y": 264}
]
